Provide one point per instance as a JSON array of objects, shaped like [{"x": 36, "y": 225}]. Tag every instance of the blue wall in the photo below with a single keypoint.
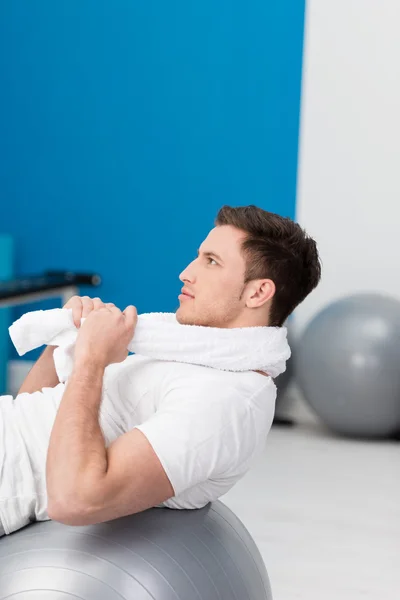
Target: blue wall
[{"x": 125, "y": 125}]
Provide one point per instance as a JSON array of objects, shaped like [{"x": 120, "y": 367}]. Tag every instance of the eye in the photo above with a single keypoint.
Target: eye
[{"x": 209, "y": 258}]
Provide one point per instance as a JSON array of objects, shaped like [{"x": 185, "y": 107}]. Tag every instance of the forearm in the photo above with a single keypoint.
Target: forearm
[
  {"x": 43, "y": 373},
  {"x": 77, "y": 456}
]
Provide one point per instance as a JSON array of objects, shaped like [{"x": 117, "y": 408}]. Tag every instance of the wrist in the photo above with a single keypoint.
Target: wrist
[{"x": 89, "y": 365}]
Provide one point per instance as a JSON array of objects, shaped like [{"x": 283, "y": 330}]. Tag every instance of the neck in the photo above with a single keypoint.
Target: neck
[{"x": 246, "y": 321}]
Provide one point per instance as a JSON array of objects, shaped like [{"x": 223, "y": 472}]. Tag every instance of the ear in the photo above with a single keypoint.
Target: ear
[{"x": 259, "y": 292}]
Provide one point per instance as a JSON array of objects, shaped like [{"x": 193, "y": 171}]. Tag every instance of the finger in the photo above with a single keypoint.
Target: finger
[
  {"x": 130, "y": 314},
  {"x": 87, "y": 306},
  {"x": 75, "y": 303},
  {"x": 71, "y": 301},
  {"x": 110, "y": 304},
  {"x": 98, "y": 303}
]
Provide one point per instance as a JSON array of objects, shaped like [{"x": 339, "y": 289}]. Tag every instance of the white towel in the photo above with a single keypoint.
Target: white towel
[{"x": 161, "y": 336}]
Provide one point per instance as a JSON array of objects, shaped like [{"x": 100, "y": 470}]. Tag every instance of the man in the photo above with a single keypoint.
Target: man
[{"x": 183, "y": 434}]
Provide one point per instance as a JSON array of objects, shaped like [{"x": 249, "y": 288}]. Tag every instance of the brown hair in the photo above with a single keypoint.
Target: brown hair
[{"x": 276, "y": 248}]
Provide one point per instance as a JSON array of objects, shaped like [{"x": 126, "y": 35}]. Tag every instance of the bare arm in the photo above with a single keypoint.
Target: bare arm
[
  {"x": 87, "y": 482},
  {"x": 77, "y": 456},
  {"x": 43, "y": 373}
]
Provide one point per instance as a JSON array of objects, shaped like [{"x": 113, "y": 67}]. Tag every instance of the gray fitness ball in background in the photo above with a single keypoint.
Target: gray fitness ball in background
[
  {"x": 158, "y": 554},
  {"x": 348, "y": 365}
]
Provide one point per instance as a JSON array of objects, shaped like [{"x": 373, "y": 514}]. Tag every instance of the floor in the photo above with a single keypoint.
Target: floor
[{"x": 325, "y": 514}]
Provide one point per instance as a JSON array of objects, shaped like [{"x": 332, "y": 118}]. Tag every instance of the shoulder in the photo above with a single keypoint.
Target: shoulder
[
  {"x": 208, "y": 423},
  {"x": 226, "y": 390},
  {"x": 201, "y": 380}
]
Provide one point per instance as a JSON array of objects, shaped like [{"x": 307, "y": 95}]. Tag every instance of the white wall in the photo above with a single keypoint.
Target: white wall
[{"x": 349, "y": 166}]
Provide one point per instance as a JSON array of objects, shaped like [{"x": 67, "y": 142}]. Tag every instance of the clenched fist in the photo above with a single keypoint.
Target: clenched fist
[{"x": 105, "y": 334}]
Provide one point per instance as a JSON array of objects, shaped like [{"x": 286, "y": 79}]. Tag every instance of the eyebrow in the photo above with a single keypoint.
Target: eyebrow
[{"x": 210, "y": 254}]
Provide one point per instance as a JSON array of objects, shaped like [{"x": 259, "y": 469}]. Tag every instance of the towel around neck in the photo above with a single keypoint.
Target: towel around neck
[{"x": 161, "y": 336}]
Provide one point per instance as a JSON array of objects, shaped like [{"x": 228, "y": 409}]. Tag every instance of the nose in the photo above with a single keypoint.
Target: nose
[{"x": 188, "y": 274}]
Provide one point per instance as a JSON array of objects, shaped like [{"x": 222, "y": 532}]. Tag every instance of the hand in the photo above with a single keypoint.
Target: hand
[
  {"x": 83, "y": 305},
  {"x": 105, "y": 335}
]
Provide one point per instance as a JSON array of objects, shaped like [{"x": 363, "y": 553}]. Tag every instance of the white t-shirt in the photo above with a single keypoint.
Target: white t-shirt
[{"x": 205, "y": 425}]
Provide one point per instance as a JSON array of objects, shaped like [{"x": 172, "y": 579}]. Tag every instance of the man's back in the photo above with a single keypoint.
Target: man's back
[{"x": 219, "y": 421}]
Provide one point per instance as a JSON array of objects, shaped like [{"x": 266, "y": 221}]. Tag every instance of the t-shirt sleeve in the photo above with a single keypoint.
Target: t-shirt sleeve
[{"x": 199, "y": 434}]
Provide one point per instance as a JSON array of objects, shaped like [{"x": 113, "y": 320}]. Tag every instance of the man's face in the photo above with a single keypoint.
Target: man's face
[{"x": 216, "y": 282}]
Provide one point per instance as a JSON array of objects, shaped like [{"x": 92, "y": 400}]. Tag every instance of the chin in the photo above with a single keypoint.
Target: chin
[
  {"x": 188, "y": 318},
  {"x": 182, "y": 318}
]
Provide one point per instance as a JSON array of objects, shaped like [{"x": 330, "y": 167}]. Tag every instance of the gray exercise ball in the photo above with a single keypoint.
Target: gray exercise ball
[
  {"x": 348, "y": 366},
  {"x": 158, "y": 554}
]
